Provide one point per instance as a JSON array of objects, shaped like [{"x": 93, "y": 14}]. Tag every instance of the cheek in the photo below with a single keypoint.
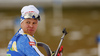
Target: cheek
[
  {"x": 35, "y": 27},
  {"x": 24, "y": 26}
]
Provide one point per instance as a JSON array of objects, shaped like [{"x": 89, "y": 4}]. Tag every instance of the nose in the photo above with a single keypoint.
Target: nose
[{"x": 31, "y": 25}]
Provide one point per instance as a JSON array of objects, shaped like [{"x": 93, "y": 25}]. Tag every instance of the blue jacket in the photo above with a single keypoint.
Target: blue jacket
[{"x": 23, "y": 45}]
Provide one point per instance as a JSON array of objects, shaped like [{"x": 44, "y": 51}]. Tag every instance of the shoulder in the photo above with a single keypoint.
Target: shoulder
[
  {"x": 22, "y": 38},
  {"x": 22, "y": 41},
  {"x": 26, "y": 38}
]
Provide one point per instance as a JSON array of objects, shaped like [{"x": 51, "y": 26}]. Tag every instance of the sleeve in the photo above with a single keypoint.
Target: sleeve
[{"x": 24, "y": 47}]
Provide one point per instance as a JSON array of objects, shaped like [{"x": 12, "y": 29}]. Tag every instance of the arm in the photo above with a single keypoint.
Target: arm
[{"x": 24, "y": 47}]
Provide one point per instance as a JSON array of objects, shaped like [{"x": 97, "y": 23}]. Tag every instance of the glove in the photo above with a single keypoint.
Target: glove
[{"x": 59, "y": 52}]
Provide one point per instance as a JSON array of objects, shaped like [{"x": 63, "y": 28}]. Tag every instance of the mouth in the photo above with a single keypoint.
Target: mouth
[{"x": 30, "y": 29}]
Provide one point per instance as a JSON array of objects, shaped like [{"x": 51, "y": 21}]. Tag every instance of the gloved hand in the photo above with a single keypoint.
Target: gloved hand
[{"x": 59, "y": 52}]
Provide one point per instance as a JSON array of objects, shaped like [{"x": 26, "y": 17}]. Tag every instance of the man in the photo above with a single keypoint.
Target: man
[{"x": 23, "y": 42}]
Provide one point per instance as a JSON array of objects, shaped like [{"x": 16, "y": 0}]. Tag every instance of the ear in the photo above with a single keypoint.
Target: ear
[{"x": 21, "y": 24}]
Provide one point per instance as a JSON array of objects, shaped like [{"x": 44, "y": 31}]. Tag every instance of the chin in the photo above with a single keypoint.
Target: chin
[{"x": 31, "y": 34}]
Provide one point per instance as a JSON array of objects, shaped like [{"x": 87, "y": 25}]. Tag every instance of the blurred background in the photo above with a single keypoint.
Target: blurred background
[{"x": 80, "y": 18}]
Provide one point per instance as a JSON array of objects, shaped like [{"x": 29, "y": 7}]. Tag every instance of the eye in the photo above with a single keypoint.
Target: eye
[
  {"x": 34, "y": 22},
  {"x": 28, "y": 22}
]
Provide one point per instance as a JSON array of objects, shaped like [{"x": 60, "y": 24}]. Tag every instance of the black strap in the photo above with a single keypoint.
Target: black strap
[{"x": 46, "y": 47}]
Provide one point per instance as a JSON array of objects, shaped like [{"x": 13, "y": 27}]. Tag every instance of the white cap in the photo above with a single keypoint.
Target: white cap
[
  {"x": 28, "y": 8},
  {"x": 28, "y": 12}
]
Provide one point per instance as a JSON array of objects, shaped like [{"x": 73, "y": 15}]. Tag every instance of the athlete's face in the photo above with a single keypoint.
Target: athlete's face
[{"x": 29, "y": 26}]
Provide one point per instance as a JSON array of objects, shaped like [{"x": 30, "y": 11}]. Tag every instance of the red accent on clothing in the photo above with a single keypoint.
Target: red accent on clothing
[{"x": 32, "y": 43}]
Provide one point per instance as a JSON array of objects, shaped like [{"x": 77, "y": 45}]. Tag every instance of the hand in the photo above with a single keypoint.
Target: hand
[{"x": 59, "y": 52}]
